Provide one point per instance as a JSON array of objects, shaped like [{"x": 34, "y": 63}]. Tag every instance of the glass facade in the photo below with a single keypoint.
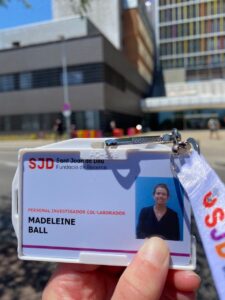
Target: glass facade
[
  {"x": 84, "y": 120},
  {"x": 7, "y": 83},
  {"x": 25, "y": 81},
  {"x": 192, "y": 34},
  {"x": 76, "y": 75}
]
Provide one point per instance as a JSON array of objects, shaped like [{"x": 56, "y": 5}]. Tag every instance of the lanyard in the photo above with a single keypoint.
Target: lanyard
[{"x": 206, "y": 193}]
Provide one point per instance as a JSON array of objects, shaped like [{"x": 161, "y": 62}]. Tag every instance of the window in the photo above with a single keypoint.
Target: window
[
  {"x": 168, "y": 30},
  {"x": 191, "y": 28},
  {"x": 163, "y": 49},
  {"x": 179, "y": 13},
  {"x": 180, "y": 47},
  {"x": 210, "y": 44},
  {"x": 25, "y": 81},
  {"x": 46, "y": 78},
  {"x": 179, "y": 62},
  {"x": 180, "y": 30},
  {"x": 162, "y": 33},
  {"x": 216, "y": 59},
  {"x": 161, "y": 16},
  {"x": 169, "y": 48},
  {"x": 191, "y": 11},
  {"x": 191, "y": 46},
  {"x": 7, "y": 83},
  {"x": 174, "y": 31},
  {"x": 218, "y": 25},
  {"x": 168, "y": 14},
  {"x": 73, "y": 77},
  {"x": 209, "y": 8},
  {"x": 176, "y": 14},
  {"x": 191, "y": 61}
]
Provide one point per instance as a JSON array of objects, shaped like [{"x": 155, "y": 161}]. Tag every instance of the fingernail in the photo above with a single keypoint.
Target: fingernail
[{"x": 155, "y": 250}]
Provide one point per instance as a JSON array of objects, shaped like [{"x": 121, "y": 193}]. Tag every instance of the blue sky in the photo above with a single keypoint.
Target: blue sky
[{"x": 16, "y": 14}]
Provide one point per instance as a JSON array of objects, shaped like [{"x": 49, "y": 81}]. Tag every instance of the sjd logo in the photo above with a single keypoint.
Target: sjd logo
[{"x": 41, "y": 163}]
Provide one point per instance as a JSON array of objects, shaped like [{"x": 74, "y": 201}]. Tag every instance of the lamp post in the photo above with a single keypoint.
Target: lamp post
[{"x": 66, "y": 101}]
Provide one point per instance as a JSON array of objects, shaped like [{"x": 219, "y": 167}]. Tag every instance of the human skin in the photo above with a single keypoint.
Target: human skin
[
  {"x": 146, "y": 278},
  {"x": 160, "y": 197}
]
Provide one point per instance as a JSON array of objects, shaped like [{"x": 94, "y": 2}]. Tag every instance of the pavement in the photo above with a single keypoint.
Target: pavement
[
  {"x": 212, "y": 148},
  {"x": 26, "y": 279}
]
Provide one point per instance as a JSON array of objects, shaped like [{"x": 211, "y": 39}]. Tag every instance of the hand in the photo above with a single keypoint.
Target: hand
[{"x": 146, "y": 278}]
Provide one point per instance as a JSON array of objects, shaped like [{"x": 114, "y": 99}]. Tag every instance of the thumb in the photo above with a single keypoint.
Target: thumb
[{"x": 144, "y": 278}]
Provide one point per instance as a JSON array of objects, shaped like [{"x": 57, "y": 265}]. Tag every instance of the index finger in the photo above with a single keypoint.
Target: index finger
[{"x": 185, "y": 281}]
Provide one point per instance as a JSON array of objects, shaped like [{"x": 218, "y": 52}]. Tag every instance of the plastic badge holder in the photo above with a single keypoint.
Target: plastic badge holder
[{"x": 79, "y": 201}]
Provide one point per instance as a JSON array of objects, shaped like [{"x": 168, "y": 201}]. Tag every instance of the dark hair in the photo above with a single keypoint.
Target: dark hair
[{"x": 161, "y": 185}]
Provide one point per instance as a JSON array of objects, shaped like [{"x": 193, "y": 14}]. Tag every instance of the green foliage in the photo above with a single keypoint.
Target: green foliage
[
  {"x": 6, "y": 2},
  {"x": 82, "y": 6},
  {"x": 3, "y": 2}
]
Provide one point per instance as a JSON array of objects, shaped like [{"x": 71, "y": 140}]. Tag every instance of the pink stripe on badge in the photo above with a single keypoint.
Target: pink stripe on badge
[{"x": 94, "y": 249}]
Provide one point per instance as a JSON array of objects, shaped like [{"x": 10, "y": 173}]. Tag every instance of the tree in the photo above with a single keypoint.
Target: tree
[
  {"x": 6, "y": 2},
  {"x": 82, "y": 5}
]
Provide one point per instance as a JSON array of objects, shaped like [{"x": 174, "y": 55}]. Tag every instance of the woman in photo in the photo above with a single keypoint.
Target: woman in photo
[{"x": 159, "y": 219}]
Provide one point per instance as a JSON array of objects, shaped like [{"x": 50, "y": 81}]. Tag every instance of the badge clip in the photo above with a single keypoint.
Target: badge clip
[{"x": 179, "y": 147}]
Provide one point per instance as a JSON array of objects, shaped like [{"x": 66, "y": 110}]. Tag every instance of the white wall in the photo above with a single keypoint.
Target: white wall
[
  {"x": 104, "y": 14},
  {"x": 44, "y": 32}
]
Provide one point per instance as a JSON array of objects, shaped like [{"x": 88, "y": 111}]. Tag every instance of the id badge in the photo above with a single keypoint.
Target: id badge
[{"x": 95, "y": 201}]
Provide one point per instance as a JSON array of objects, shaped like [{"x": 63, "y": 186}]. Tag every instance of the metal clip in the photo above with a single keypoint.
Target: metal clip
[
  {"x": 181, "y": 148},
  {"x": 162, "y": 139},
  {"x": 174, "y": 137},
  {"x": 194, "y": 144}
]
